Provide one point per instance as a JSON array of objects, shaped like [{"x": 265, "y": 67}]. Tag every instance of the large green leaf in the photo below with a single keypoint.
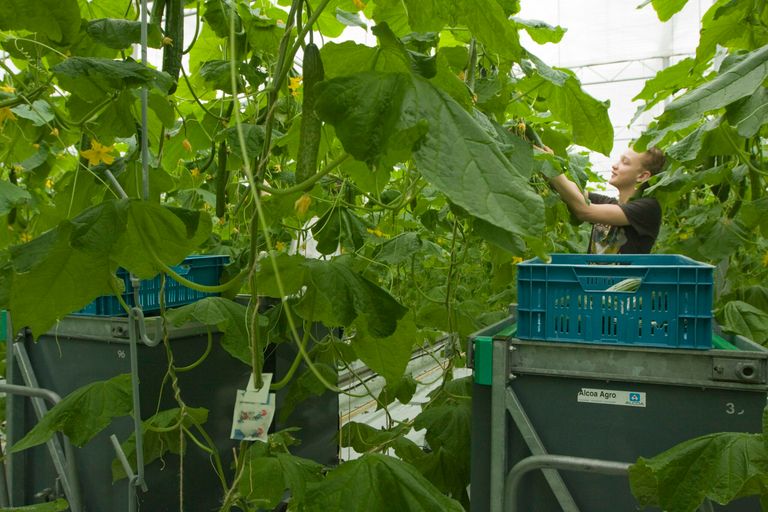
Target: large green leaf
[
  {"x": 391, "y": 54},
  {"x": 427, "y": 16},
  {"x": 158, "y": 438},
  {"x": 750, "y": 115},
  {"x": 753, "y": 215},
  {"x": 690, "y": 146},
  {"x": 401, "y": 390},
  {"x": 218, "y": 14},
  {"x": 50, "y": 506},
  {"x": 347, "y": 58},
  {"x": 745, "y": 319},
  {"x": 107, "y": 9},
  {"x": 720, "y": 238},
  {"x": 11, "y": 196},
  {"x": 39, "y": 112},
  {"x": 394, "y": 14},
  {"x": 403, "y": 247},
  {"x": 719, "y": 467},
  {"x": 376, "y": 112},
  {"x": 541, "y": 32},
  {"x": 226, "y": 315},
  {"x": 388, "y": 356},
  {"x": 565, "y": 99},
  {"x": 447, "y": 425},
  {"x": 364, "y": 109},
  {"x": 739, "y": 81},
  {"x": 685, "y": 74},
  {"x": 290, "y": 268},
  {"x": 364, "y": 438},
  {"x": 462, "y": 160},
  {"x": 665, "y": 9},
  {"x": 339, "y": 225},
  {"x": 58, "y": 20},
  {"x": 169, "y": 233},
  {"x": 67, "y": 267},
  {"x": 62, "y": 270},
  {"x": 83, "y": 413},
  {"x": 120, "y": 34},
  {"x": 377, "y": 483},
  {"x": 488, "y": 24},
  {"x": 336, "y": 295},
  {"x": 755, "y": 295},
  {"x": 265, "y": 28},
  {"x": 447, "y": 80},
  {"x": 268, "y": 474},
  {"x": 92, "y": 77},
  {"x": 725, "y": 24}
]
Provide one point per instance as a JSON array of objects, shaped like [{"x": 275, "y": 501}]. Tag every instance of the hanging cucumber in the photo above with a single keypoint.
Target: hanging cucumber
[
  {"x": 532, "y": 136},
  {"x": 221, "y": 181},
  {"x": 156, "y": 14},
  {"x": 310, "y": 132},
  {"x": 174, "y": 47}
]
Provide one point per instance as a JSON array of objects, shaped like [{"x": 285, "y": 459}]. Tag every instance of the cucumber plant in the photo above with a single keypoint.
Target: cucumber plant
[{"x": 405, "y": 162}]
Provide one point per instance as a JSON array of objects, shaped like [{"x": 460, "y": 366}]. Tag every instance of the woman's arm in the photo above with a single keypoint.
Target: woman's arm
[{"x": 610, "y": 214}]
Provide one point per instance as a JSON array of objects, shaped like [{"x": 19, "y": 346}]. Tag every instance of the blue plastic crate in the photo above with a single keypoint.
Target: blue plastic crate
[
  {"x": 204, "y": 270},
  {"x": 566, "y": 300}
]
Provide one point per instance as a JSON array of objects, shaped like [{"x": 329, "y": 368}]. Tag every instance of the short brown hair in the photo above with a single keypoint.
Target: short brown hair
[{"x": 654, "y": 160}]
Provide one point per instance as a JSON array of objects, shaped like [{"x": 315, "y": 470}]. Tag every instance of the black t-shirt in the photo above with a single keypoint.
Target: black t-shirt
[{"x": 644, "y": 216}]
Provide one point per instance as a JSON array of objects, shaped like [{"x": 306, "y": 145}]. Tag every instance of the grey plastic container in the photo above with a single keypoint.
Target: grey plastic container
[{"x": 84, "y": 349}]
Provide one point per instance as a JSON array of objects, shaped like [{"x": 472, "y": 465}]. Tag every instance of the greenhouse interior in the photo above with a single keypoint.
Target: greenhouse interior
[{"x": 383, "y": 255}]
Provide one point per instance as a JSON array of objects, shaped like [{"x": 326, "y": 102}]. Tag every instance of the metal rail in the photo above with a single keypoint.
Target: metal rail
[
  {"x": 554, "y": 462},
  {"x": 63, "y": 460}
]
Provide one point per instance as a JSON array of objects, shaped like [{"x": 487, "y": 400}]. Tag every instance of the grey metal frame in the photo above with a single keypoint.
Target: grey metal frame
[
  {"x": 551, "y": 463},
  {"x": 743, "y": 369},
  {"x": 63, "y": 459}
]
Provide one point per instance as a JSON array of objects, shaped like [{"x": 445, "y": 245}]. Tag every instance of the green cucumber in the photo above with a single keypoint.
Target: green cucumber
[
  {"x": 174, "y": 30},
  {"x": 311, "y": 125},
  {"x": 222, "y": 177}
]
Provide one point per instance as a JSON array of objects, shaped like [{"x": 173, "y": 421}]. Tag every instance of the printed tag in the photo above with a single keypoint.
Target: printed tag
[
  {"x": 611, "y": 397},
  {"x": 254, "y": 411},
  {"x": 251, "y": 420}
]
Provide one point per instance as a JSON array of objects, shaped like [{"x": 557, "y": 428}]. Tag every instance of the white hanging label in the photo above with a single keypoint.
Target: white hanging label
[{"x": 254, "y": 411}]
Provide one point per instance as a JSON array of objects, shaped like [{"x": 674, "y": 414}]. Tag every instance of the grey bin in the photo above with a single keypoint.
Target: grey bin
[
  {"x": 85, "y": 349},
  {"x": 688, "y": 393}
]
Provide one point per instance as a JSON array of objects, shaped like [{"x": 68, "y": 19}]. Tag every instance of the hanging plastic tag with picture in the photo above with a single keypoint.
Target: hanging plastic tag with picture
[{"x": 254, "y": 411}]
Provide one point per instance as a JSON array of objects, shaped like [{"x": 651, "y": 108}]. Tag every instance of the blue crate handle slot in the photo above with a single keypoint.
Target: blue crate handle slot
[
  {"x": 182, "y": 270},
  {"x": 599, "y": 281}
]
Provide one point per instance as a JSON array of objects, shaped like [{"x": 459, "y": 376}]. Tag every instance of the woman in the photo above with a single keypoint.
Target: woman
[{"x": 629, "y": 224}]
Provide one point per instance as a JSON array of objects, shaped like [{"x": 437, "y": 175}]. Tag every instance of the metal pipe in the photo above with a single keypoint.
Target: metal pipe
[
  {"x": 133, "y": 335},
  {"x": 47, "y": 394},
  {"x": 536, "y": 447},
  {"x": 63, "y": 462},
  {"x": 498, "y": 425},
  {"x": 564, "y": 462},
  {"x": 132, "y": 478},
  {"x": 137, "y": 319},
  {"x": 144, "y": 115}
]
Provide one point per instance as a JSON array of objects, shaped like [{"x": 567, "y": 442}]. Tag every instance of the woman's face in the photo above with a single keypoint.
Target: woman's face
[{"x": 628, "y": 170}]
